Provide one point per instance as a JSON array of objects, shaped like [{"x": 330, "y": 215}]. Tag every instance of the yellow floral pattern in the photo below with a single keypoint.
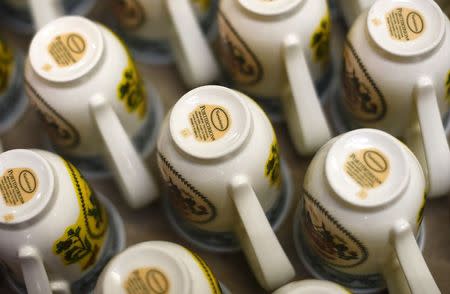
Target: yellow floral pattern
[
  {"x": 82, "y": 242},
  {"x": 272, "y": 170},
  {"x": 6, "y": 65},
  {"x": 131, "y": 90},
  {"x": 320, "y": 40}
]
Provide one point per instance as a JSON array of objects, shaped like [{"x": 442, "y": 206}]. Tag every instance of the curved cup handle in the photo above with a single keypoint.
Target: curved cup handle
[
  {"x": 412, "y": 274},
  {"x": 194, "y": 57},
  {"x": 137, "y": 184},
  {"x": 264, "y": 253},
  {"x": 436, "y": 149},
  {"x": 45, "y": 11},
  {"x": 36, "y": 279},
  {"x": 308, "y": 126}
]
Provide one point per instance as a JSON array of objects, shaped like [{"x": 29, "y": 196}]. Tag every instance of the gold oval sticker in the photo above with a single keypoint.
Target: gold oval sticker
[
  {"x": 67, "y": 49},
  {"x": 405, "y": 24},
  {"x": 147, "y": 281},
  {"x": 209, "y": 122},
  {"x": 18, "y": 186},
  {"x": 369, "y": 168}
]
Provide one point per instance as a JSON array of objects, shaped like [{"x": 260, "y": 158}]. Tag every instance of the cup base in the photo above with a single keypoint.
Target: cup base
[
  {"x": 226, "y": 242},
  {"x": 21, "y": 22},
  {"x": 15, "y": 103},
  {"x": 116, "y": 243},
  {"x": 95, "y": 167},
  {"x": 358, "y": 284}
]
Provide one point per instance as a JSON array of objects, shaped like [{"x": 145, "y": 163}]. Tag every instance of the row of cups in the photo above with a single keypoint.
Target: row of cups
[
  {"x": 358, "y": 221},
  {"x": 212, "y": 131},
  {"x": 293, "y": 69}
]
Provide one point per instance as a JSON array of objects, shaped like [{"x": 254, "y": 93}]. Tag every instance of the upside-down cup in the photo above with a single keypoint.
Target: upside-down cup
[
  {"x": 87, "y": 89},
  {"x": 150, "y": 26},
  {"x": 158, "y": 267},
  {"x": 361, "y": 212},
  {"x": 289, "y": 60},
  {"x": 397, "y": 73},
  {"x": 56, "y": 233},
  {"x": 218, "y": 153}
]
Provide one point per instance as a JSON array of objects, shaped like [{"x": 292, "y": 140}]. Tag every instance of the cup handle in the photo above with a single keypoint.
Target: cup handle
[
  {"x": 44, "y": 12},
  {"x": 36, "y": 279},
  {"x": 395, "y": 277},
  {"x": 137, "y": 184},
  {"x": 264, "y": 253},
  {"x": 194, "y": 57},
  {"x": 308, "y": 126},
  {"x": 415, "y": 272},
  {"x": 434, "y": 140}
]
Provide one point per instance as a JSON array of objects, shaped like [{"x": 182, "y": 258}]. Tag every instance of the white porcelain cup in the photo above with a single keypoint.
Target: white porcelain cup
[
  {"x": 351, "y": 9},
  {"x": 273, "y": 49},
  {"x": 53, "y": 230},
  {"x": 361, "y": 208},
  {"x": 157, "y": 267},
  {"x": 396, "y": 66},
  {"x": 176, "y": 22},
  {"x": 89, "y": 93},
  {"x": 312, "y": 287},
  {"x": 219, "y": 155},
  {"x": 13, "y": 102}
]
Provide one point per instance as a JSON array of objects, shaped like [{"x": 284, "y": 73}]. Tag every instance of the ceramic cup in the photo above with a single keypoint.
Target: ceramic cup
[
  {"x": 218, "y": 153},
  {"x": 26, "y": 16},
  {"x": 351, "y": 9},
  {"x": 13, "y": 101},
  {"x": 157, "y": 267},
  {"x": 149, "y": 26},
  {"x": 396, "y": 73},
  {"x": 287, "y": 60},
  {"x": 41, "y": 190},
  {"x": 361, "y": 208},
  {"x": 89, "y": 93},
  {"x": 312, "y": 287}
]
